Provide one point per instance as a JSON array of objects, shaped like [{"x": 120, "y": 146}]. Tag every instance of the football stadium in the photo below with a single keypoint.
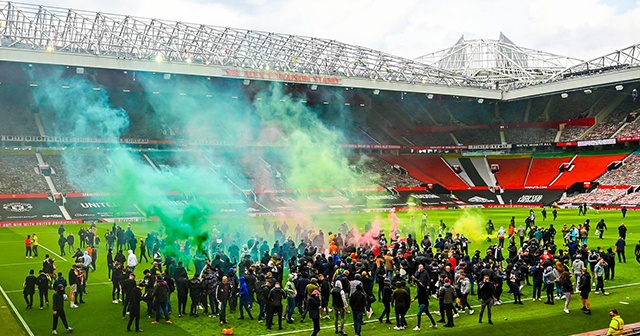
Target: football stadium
[{"x": 275, "y": 184}]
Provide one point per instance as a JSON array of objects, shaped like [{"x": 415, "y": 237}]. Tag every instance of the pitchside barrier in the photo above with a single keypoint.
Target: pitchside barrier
[
  {"x": 629, "y": 330},
  {"x": 41, "y": 209}
]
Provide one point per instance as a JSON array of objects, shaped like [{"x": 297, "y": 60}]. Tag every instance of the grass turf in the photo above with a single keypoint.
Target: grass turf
[{"x": 101, "y": 317}]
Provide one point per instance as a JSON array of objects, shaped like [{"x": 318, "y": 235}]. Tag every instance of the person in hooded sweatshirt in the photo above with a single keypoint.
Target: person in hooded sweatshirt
[
  {"x": 339, "y": 306},
  {"x": 43, "y": 288},
  {"x": 291, "y": 292},
  {"x": 58, "y": 310},
  {"x": 132, "y": 261},
  {"x": 245, "y": 298},
  {"x": 447, "y": 293},
  {"x": 160, "y": 299},
  {"x": 313, "y": 307}
]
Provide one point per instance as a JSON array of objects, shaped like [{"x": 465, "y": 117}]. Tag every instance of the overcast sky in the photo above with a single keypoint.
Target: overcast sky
[{"x": 579, "y": 28}]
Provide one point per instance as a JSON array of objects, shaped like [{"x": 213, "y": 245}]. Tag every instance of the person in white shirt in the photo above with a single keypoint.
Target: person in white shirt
[{"x": 132, "y": 261}]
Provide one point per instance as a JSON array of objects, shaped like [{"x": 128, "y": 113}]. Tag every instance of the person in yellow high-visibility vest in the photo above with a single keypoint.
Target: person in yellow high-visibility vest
[
  {"x": 616, "y": 326},
  {"x": 34, "y": 244}
]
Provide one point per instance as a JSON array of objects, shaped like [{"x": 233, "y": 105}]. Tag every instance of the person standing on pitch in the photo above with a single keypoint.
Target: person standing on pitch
[
  {"x": 58, "y": 310},
  {"x": 423, "y": 300},
  {"x": 486, "y": 294},
  {"x": 34, "y": 244},
  {"x": 585, "y": 289},
  {"x": 29, "y": 288},
  {"x": 27, "y": 244},
  {"x": 43, "y": 288},
  {"x": 134, "y": 297}
]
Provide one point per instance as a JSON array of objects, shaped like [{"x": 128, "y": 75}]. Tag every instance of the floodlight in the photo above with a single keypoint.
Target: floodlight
[
  {"x": 564, "y": 95},
  {"x": 314, "y": 87},
  {"x": 480, "y": 100},
  {"x": 246, "y": 82},
  {"x": 159, "y": 58},
  {"x": 587, "y": 91},
  {"x": 376, "y": 92},
  {"x": 429, "y": 96},
  {"x": 619, "y": 87}
]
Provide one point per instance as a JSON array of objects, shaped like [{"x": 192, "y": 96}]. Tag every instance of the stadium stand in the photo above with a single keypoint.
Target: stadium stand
[
  {"x": 477, "y": 136},
  {"x": 431, "y": 139},
  {"x": 596, "y": 196},
  {"x": 15, "y": 103},
  {"x": 572, "y": 133},
  {"x": 83, "y": 172},
  {"x": 428, "y": 169},
  {"x": 587, "y": 168},
  {"x": 631, "y": 199},
  {"x": 18, "y": 175},
  {"x": 529, "y": 135},
  {"x": 513, "y": 170},
  {"x": 627, "y": 174},
  {"x": 631, "y": 129},
  {"x": 544, "y": 168},
  {"x": 390, "y": 175}
]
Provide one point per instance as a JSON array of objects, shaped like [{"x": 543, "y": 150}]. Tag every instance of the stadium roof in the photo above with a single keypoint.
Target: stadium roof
[
  {"x": 500, "y": 62},
  {"x": 493, "y": 69},
  {"x": 127, "y": 37}
]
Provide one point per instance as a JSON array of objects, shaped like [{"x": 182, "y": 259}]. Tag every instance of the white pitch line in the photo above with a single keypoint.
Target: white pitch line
[
  {"x": 55, "y": 254},
  {"x": 15, "y": 310},
  {"x": 89, "y": 284},
  {"x": 414, "y": 315},
  {"x": 20, "y": 264}
]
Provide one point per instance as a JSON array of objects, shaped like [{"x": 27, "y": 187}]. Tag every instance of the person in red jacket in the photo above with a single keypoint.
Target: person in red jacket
[{"x": 27, "y": 244}]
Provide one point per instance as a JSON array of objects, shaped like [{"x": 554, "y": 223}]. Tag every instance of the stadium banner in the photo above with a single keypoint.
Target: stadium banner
[
  {"x": 357, "y": 146},
  {"x": 494, "y": 206},
  {"x": 29, "y": 209},
  {"x": 509, "y": 197},
  {"x": 446, "y": 147},
  {"x": 12, "y": 196},
  {"x": 539, "y": 144},
  {"x": 629, "y": 138},
  {"x": 545, "y": 124},
  {"x": 99, "y": 208},
  {"x": 623, "y": 186},
  {"x": 282, "y": 76},
  {"x": 40, "y": 222},
  {"x": 567, "y": 144},
  {"x": 600, "y": 142}
]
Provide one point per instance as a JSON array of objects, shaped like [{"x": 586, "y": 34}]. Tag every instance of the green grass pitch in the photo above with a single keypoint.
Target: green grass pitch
[{"x": 99, "y": 316}]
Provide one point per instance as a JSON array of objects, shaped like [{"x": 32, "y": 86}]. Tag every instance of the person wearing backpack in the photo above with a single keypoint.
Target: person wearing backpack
[{"x": 339, "y": 302}]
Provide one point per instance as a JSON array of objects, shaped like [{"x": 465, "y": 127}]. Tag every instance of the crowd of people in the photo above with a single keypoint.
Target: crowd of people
[
  {"x": 627, "y": 174},
  {"x": 389, "y": 175},
  {"x": 596, "y": 196},
  {"x": 307, "y": 274},
  {"x": 18, "y": 175}
]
